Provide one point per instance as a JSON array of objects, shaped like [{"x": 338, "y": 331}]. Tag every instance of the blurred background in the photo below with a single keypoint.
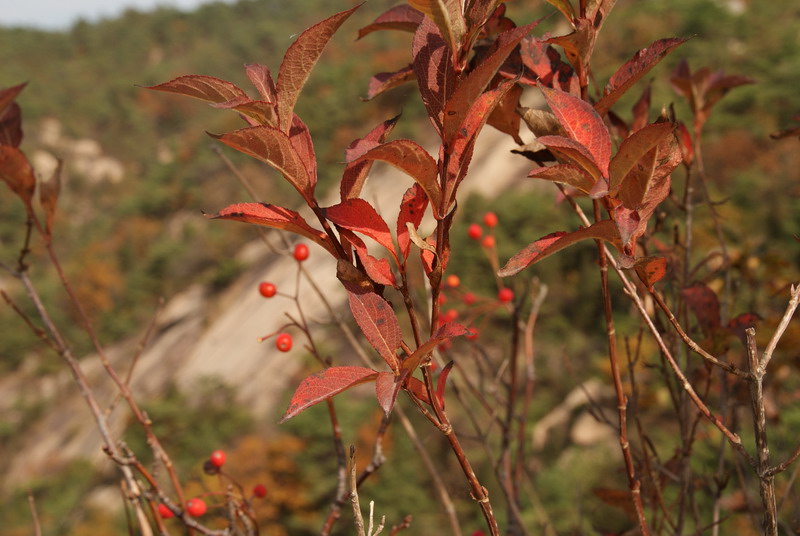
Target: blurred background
[{"x": 139, "y": 171}]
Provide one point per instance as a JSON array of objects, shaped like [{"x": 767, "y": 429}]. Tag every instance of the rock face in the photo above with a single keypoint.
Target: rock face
[{"x": 198, "y": 336}]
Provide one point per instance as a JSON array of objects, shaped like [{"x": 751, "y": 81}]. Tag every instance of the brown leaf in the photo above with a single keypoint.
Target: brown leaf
[
  {"x": 505, "y": 117},
  {"x": 447, "y": 15},
  {"x": 261, "y": 78},
  {"x": 572, "y": 152},
  {"x": 11, "y": 126},
  {"x": 704, "y": 304},
  {"x": 651, "y": 270},
  {"x": 325, "y": 384},
  {"x": 542, "y": 122},
  {"x": 633, "y": 150},
  {"x": 48, "y": 196},
  {"x": 8, "y": 95},
  {"x": 547, "y": 245},
  {"x": 300, "y": 59}
]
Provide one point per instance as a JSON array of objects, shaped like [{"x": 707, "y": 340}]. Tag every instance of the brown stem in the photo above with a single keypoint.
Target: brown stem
[
  {"x": 37, "y": 527},
  {"x": 766, "y": 482}
]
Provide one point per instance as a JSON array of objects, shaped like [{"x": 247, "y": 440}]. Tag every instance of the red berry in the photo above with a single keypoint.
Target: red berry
[
  {"x": 474, "y": 231},
  {"x": 469, "y": 298},
  {"x": 300, "y": 252},
  {"x": 283, "y": 342},
  {"x": 196, "y": 507},
  {"x": 478, "y": 533},
  {"x": 217, "y": 458},
  {"x": 490, "y": 219},
  {"x": 453, "y": 281},
  {"x": 164, "y": 512},
  {"x": 505, "y": 295},
  {"x": 488, "y": 242},
  {"x": 451, "y": 315},
  {"x": 442, "y": 299},
  {"x": 434, "y": 366},
  {"x": 260, "y": 491},
  {"x": 267, "y": 290}
]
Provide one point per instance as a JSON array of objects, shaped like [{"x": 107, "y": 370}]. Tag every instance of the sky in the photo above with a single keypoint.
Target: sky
[{"x": 61, "y": 14}]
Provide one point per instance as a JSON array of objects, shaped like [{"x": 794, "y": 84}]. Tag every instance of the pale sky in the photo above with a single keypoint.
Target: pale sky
[{"x": 61, "y": 14}]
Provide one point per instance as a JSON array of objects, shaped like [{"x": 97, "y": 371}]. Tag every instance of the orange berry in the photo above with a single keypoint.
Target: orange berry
[
  {"x": 453, "y": 281},
  {"x": 488, "y": 242},
  {"x": 490, "y": 219}
]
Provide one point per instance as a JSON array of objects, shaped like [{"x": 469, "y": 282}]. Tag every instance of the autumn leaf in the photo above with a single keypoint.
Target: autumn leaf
[
  {"x": 412, "y": 210},
  {"x": 651, "y": 270},
  {"x": 355, "y": 173},
  {"x": 274, "y": 147},
  {"x": 445, "y": 332},
  {"x": 207, "y": 88},
  {"x": 378, "y": 270},
  {"x": 325, "y": 384},
  {"x": 359, "y": 216},
  {"x": 300, "y": 59},
  {"x": 547, "y": 245},
  {"x": 408, "y": 156},
  {"x": 633, "y": 151},
  {"x": 48, "y": 196},
  {"x": 582, "y": 124},
  {"x": 261, "y": 78},
  {"x": 383, "y": 82},
  {"x": 447, "y": 15},
  {"x": 387, "y": 387},
  {"x": 377, "y": 321},
  {"x": 17, "y": 173},
  {"x": 402, "y": 17},
  {"x": 565, "y": 174},
  {"x": 277, "y": 218},
  {"x": 704, "y": 303},
  {"x": 572, "y": 152},
  {"x": 634, "y": 69},
  {"x": 433, "y": 67}
]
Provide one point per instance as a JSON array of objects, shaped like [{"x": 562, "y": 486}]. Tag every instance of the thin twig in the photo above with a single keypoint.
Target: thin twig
[{"x": 37, "y": 527}]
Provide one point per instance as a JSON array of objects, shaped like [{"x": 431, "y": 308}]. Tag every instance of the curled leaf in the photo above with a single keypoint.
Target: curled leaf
[{"x": 325, "y": 384}]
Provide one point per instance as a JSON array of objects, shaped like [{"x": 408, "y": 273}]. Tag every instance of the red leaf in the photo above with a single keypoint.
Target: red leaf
[
  {"x": 377, "y": 321},
  {"x": 17, "y": 173},
  {"x": 469, "y": 89},
  {"x": 641, "y": 109},
  {"x": 685, "y": 142},
  {"x": 432, "y": 63},
  {"x": 565, "y": 7},
  {"x": 651, "y": 270},
  {"x": 378, "y": 270},
  {"x": 440, "y": 385},
  {"x": 360, "y": 217},
  {"x": 325, "y": 384},
  {"x": 463, "y": 144},
  {"x": 578, "y": 45},
  {"x": 383, "y": 82},
  {"x": 704, "y": 304},
  {"x": 565, "y": 174},
  {"x": 418, "y": 389},
  {"x": 276, "y": 217},
  {"x": 573, "y": 152},
  {"x": 547, "y": 245},
  {"x": 633, "y": 151},
  {"x": 634, "y": 69},
  {"x": 7, "y": 96},
  {"x": 412, "y": 209},
  {"x": 207, "y": 88},
  {"x": 301, "y": 140},
  {"x": 636, "y": 183},
  {"x": 298, "y": 61},
  {"x": 260, "y": 112},
  {"x": 355, "y": 174},
  {"x": 447, "y": 331},
  {"x": 11, "y": 126},
  {"x": 261, "y": 78},
  {"x": 387, "y": 387},
  {"x": 448, "y": 16},
  {"x": 545, "y": 63},
  {"x": 411, "y": 158},
  {"x": 274, "y": 147},
  {"x": 402, "y": 17},
  {"x": 582, "y": 124}
]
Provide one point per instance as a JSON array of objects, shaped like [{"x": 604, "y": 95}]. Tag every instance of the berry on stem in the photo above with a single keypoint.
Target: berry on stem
[
  {"x": 267, "y": 290},
  {"x": 490, "y": 219},
  {"x": 196, "y": 507},
  {"x": 488, "y": 242},
  {"x": 217, "y": 458},
  {"x": 474, "y": 231},
  {"x": 451, "y": 315},
  {"x": 283, "y": 342},
  {"x": 164, "y": 512},
  {"x": 453, "y": 281},
  {"x": 469, "y": 298},
  {"x": 505, "y": 295},
  {"x": 300, "y": 252},
  {"x": 260, "y": 491}
]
